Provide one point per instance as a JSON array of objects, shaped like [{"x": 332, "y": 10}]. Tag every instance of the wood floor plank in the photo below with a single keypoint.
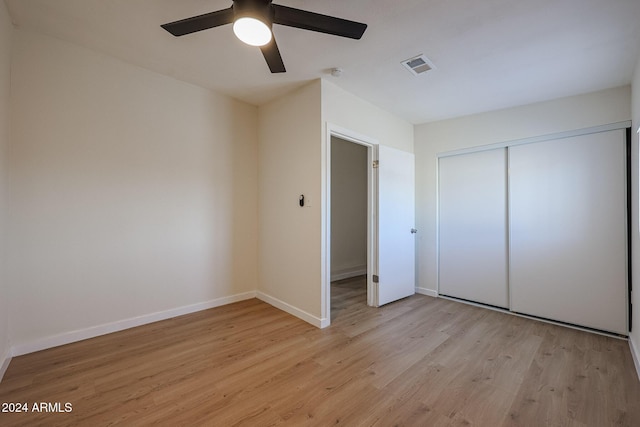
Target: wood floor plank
[{"x": 420, "y": 361}]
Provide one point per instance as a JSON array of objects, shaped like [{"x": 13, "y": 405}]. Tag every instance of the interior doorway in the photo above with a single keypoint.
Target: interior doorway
[
  {"x": 350, "y": 240},
  {"x": 348, "y": 209},
  {"x": 349, "y": 213}
]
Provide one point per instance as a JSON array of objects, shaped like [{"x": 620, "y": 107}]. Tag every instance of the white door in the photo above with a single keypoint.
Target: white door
[
  {"x": 396, "y": 219},
  {"x": 473, "y": 227},
  {"x": 568, "y": 248}
]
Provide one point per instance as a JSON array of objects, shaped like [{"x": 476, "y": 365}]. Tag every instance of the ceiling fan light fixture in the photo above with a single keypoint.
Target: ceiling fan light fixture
[
  {"x": 252, "y": 31},
  {"x": 252, "y": 21}
]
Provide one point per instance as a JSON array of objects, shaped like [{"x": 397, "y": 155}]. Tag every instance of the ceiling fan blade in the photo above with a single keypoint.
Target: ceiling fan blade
[
  {"x": 306, "y": 20},
  {"x": 271, "y": 54},
  {"x": 200, "y": 22}
]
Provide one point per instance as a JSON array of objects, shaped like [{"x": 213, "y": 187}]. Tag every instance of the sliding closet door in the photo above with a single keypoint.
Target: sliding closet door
[
  {"x": 473, "y": 227},
  {"x": 568, "y": 230}
]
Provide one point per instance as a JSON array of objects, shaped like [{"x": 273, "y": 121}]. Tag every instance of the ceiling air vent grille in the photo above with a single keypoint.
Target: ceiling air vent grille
[{"x": 418, "y": 65}]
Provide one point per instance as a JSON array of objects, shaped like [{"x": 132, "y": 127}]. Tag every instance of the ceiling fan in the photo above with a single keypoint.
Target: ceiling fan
[{"x": 252, "y": 22}]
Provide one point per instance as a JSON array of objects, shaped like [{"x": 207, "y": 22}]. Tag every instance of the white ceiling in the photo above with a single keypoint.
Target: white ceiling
[{"x": 489, "y": 54}]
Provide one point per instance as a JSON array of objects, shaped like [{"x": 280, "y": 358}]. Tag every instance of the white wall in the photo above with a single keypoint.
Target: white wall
[
  {"x": 132, "y": 194},
  {"x": 348, "y": 209},
  {"x": 635, "y": 230},
  {"x": 565, "y": 114},
  {"x": 5, "y": 79},
  {"x": 346, "y": 110},
  {"x": 289, "y": 165}
]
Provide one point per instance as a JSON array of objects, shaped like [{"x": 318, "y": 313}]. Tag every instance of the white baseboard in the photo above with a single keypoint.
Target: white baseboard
[
  {"x": 347, "y": 273},
  {"x": 428, "y": 292},
  {"x": 294, "y": 311},
  {"x": 95, "y": 331},
  {"x": 6, "y": 359},
  {"x": 635, "y": 354}
]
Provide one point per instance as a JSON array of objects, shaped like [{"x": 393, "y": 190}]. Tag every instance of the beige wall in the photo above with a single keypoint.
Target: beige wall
[
  {"x": 348, "y": 209},
  {"x": 635, "y": 212},
  {"x": 565, "y": 114},
  {"x": 289, "y": 242},
  {"x": 5, "y": 68},
  {"x": 132, "y": 194}
]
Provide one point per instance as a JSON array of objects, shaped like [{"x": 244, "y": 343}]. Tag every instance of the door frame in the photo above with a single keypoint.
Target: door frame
[{"x": 332, "y": 130}]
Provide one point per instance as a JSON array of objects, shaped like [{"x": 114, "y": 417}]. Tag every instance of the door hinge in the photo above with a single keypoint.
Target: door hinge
[
  {"x": 376, "y": 279},
  {"x": 376, "y": 163}
]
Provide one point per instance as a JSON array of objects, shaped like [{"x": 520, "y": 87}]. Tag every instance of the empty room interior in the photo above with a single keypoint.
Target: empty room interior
[{"x": 359, "y": 213}]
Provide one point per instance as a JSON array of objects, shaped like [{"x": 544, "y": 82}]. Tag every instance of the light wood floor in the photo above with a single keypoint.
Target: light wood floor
[{"x": 417, "y": 362}]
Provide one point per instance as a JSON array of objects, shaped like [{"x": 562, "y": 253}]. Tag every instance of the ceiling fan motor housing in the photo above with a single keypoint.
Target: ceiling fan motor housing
[{"x": 258, "y": 9}]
